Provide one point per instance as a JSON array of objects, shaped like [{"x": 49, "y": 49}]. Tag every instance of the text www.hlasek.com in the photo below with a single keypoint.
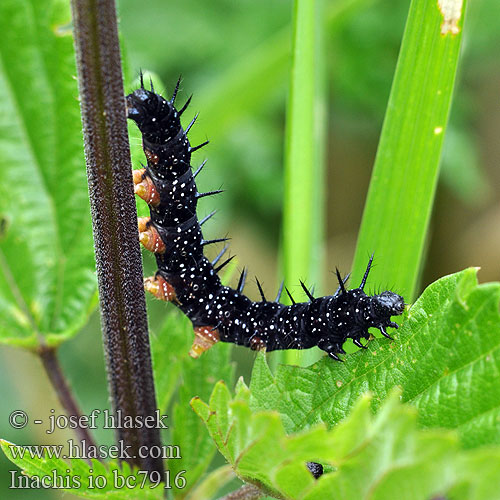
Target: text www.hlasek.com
[{"x": 101, "y": 452}]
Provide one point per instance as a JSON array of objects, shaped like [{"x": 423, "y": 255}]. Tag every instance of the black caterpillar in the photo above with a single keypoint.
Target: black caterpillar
[{"x": 187, "y": 278}]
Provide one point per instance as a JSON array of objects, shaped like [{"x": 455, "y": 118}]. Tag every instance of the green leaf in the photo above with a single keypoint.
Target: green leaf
[
  {"x": 391, "y": 457},
  {"x": 373, "y": 456},
  {"x": 480, "y": 478},
  {"x": 82, "y": 477},
  {"x": 47, "y": 282},
  {"x": 446, "y": 358},
  {"x": 401, "y": 193},
  {"x": 169, "y": 348},
  {"x": 174, "y": 369},
  {"x": 197, "y": 379},
  {"x": 212, "y": 483}
]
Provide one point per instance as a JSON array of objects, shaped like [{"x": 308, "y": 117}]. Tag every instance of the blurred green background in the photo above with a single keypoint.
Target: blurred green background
[{"x": 234, "y": 57}]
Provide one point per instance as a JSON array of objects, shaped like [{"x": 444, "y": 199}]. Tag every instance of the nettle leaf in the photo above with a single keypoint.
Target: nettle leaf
[
  {"x": 446, "y": 358},
  {"x": 174, "y": 369},
  {"x": 479, "y": 475},
  {"x": 198, "y": 379},
  {"x": 47, "y": 282},
  {"x": 375, "y": 456},
  {"x": 169, "y": 348},
  {"x": 82, "y": 478}
]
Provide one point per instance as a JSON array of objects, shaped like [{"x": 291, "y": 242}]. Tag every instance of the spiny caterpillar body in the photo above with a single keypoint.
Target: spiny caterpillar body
[{"x": 189, "y": 280}]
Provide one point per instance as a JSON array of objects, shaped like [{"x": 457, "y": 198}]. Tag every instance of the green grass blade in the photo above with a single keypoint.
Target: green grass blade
[
  {"x": 401, "y": 193},
  {"x": 304, "y": 148}
]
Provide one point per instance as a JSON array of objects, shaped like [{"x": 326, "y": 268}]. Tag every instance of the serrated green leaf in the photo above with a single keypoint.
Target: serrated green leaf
[
  {"x": 446, "y": 358},
  {"x": 47, "y": 282},
  {"x": 81, "y": 477},
  {"x": 198, "y": 377},
  {"x": 219, "y": 400},
  {"x": 242, "y": 390},
  {"x": 201, "y": 408},
  {"x": 373, "y": 456},
  {"x": 212, "y": 483},
  {"x": 174, "y": 369},
  {"x": 480, "y": 479},
  {"x": 169, "y": 348},
  {"x": 293, "y": 478}
]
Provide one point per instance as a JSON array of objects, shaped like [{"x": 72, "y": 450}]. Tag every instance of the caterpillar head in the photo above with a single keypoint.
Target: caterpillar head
[
  {"x": 365, "y": 311},
  {"x": 142, "y": 106},
  {"x": 385, "y": 305},
  {"x": 388, "y": 304},
  {"x": 155, "y": 116},
  {"x": 382, "y": 306}
]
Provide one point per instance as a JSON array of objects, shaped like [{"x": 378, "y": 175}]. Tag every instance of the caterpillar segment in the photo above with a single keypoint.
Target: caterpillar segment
[
  {"x": 149, "y": 236},
  {"x": 258, "y": 344},
  {"x": 204, "y": 338},
  {"x": 145, "y": 188},
  {"x": 159, "y": 287},
  {"x": 151, "y": 157}
]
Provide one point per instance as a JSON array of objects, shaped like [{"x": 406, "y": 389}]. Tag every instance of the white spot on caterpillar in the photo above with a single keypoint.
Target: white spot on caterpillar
[
  {"x": 451, "y": 11},
  {"x": 438, "y": 130}
]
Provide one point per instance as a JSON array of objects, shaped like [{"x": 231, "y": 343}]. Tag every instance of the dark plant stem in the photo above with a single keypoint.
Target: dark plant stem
[
  {"x": 114, "y": 219},
  {"x": 53, "y": 369},
  {"x": 246, "y": 492}
]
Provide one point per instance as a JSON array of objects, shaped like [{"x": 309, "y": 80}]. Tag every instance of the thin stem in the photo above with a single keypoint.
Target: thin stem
[
  {"x": 246, "y": 492},
  {"x": 114, "y": 219},
  {"x": 54, "y": 371}
]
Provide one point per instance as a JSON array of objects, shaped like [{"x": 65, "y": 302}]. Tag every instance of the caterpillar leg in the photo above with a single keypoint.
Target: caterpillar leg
[
  {"x": 357, "y": 342},
  {"x": 160, "y": 288},
  {"x": 356, "y": 339},
  {"x": 152, "y": 157},
  {"x": 204, "y": 338},
  {"x": 149, "y": 236},
  {"x": 332, "y": 348},
  {"x": 144, "y": 187},
  {"x": 257, "y": 344}
]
